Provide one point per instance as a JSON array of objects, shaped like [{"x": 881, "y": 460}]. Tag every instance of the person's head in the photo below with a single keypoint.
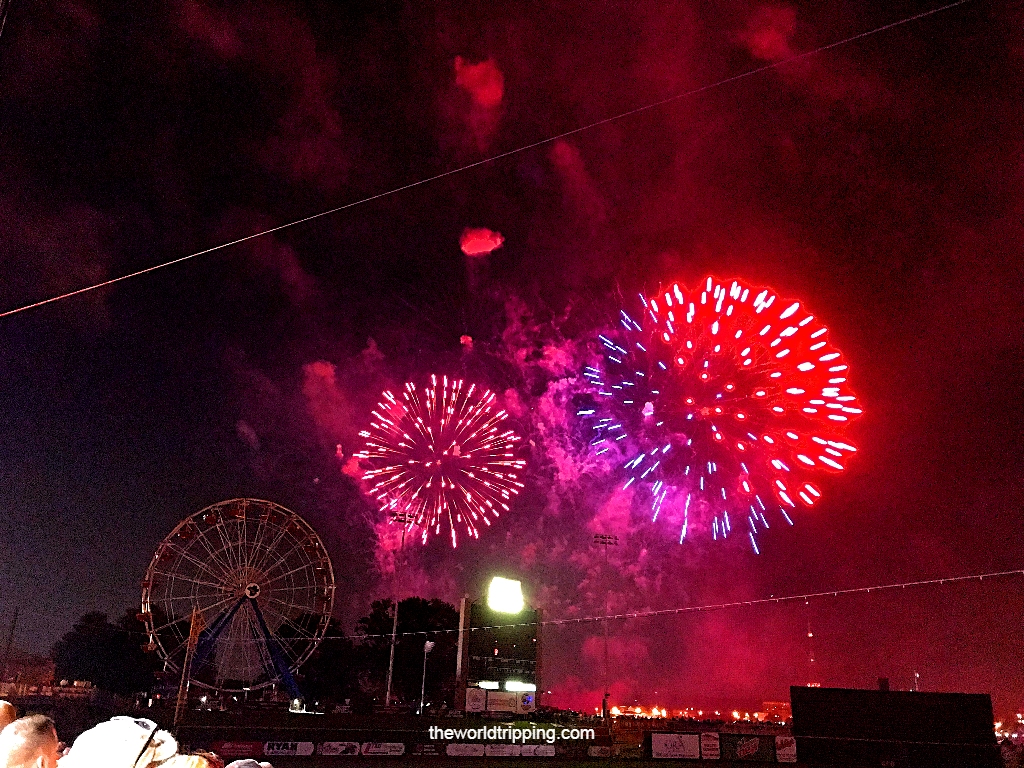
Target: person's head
[
  {"x": 8, "y": 714},
  {"x": 30, "y": 742},
  {"x": 121, "y": 742}
]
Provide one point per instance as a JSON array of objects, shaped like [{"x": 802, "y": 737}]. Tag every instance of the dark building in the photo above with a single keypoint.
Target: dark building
[{"x": 895, "y": 729}]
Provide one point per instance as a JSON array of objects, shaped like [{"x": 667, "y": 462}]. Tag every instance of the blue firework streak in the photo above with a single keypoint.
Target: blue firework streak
[{"x": 720, "y": 402}]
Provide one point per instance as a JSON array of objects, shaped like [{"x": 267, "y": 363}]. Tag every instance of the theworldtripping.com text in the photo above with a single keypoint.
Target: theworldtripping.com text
[{"x": 511, "y": 734}]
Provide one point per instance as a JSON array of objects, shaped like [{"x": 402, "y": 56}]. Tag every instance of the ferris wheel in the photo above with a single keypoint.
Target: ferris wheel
[{"x": 252, "y": 584}]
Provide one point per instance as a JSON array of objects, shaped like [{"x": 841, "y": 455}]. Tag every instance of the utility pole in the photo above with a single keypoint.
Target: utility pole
[
  {"x": 9, "y": 644},
  {"x": 406, "y": 519},
  {"x": 606, "y": 540}
]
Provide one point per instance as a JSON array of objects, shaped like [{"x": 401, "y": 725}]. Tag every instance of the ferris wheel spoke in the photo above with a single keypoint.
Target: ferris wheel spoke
[
  {"x": 178, "y": 577},
  {"x": 272, "y": 548},
  {"x": 227, "y": 548},
  {"x": 285, "y": 620},
  {"x": 302, "y": 567},
  {"x": 203, "y": 567},
  {"x": 211, "y": 551},
  {"x": 257, "y": 539},
  {"x": 204, "y": 609}
]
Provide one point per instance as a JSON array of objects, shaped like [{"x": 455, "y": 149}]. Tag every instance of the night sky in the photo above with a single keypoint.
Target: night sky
[{"x": 878, "y": 182}]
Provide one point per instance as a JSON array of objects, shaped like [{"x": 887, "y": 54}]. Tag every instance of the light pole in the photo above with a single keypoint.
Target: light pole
[
  {"x": 406, "y": 519},
  {"x": 606, "y": 540},
  {"x": 427, "y": 648}
]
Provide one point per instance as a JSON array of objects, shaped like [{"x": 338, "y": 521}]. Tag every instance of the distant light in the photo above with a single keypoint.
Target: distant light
[
  {"x": 505, "y": 595},
  {"x": 490, "y": 685},
  {"x": 518, "y": 687}
]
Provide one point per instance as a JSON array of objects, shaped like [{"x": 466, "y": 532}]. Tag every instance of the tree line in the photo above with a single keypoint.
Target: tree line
[{"x": 112, "y": 657}]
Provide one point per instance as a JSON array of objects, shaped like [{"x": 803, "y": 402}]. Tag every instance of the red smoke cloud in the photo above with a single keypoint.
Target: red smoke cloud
[
  {"x": 485, "y": 86},
  {"x": 483, "y": 81},
  {"x": 480, "y": 241}
]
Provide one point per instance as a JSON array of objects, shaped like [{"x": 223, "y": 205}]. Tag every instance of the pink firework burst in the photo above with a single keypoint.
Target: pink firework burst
[
  {"x": 723, "y": 401},
  {"x": 441, "y": 457}
]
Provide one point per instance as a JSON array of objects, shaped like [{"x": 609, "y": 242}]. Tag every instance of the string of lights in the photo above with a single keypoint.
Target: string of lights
[
  {"x": 708, "y": 607},
  {"x": 493, "y": 158}
]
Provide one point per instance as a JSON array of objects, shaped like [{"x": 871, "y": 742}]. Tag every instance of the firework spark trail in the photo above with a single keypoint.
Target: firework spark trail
[
  {"x": 721, "y": 400},
  {"x": 441, "y": 457}
]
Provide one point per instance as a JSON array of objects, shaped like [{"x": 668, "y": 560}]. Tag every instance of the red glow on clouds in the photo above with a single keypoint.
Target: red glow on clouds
[
  {"x": 483, "y": 81},
  {"x": 480, "y": 241},
  {"x": 769, "y": 31}
]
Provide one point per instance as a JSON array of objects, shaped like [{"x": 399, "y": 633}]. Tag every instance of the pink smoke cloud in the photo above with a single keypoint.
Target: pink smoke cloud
[
  {"x": 483, "y": 81},
  {"x": 480, "y": 241}
]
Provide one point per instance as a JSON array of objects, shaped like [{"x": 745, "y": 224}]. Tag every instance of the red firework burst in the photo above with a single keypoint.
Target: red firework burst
[
  {"x": 441, "y": 456},
  {"x": 723, "y": 399}
]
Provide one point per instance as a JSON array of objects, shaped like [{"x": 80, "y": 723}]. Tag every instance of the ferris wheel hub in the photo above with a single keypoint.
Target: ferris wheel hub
[{"x": 252, "y": 591}]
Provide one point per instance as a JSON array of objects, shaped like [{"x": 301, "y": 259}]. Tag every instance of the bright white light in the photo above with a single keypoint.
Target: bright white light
[
  {"x": 490, "y": 685},
  {"x": 505, "y": 595},
  {"x": 515, "y": 685}
]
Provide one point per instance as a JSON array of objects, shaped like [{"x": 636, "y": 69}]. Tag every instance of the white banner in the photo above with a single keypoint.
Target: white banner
[
  {"x": 502, "y": 750},
  {"x": 335, "y": 748},
  {"x": 465, "y": 750},
  {"x": 538, "y": 750},
  {"x": 710, "y": 747},
  {"x": 476, "y": 699},
  {"x": 785, "y": 749},
  {"x": 501, "y": 701},
  {"x": 288, "y": 748},
  {"x": 385, "y": 748},
  {"x": 679, "y": 746}
]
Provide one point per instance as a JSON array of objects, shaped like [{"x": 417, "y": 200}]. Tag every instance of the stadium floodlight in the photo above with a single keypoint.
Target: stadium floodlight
[
  {"x": 518, "y": 687},
  {"x": 505, "y": 595},
  {"x": 489, "y": 685}
]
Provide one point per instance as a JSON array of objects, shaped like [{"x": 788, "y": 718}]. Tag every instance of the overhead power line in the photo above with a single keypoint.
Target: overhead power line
[
  {"x": 708, "y": 607},
  {"x": 492, "y": 158}
]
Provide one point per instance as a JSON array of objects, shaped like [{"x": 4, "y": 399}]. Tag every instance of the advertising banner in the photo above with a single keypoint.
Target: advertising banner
[
  {"x": 679, "y": 746},
  {"x": 427, "y": 750},
  {"x": 502, "y": 750},
  {"x": 737, "y": 746},
  {"x": 383, "y": 748},
  {"x": 538, "y": 750},
  {"x": 476, "y": 699},
  {"x": 235, "y": 749},
  {"x": 465, "y": 750},
  {"x": 288, "y": 748},
  {"x": 785, "y": 749},
  {"x": 338, "y": 748},
  {"x": 501, "y": 701},
  {"x": 710, "y": 746}
]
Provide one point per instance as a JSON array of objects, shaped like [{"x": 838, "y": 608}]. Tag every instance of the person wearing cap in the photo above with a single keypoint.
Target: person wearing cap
[
  {"x": 30, "y": 742},
  {"x": 121, "y": 742}
]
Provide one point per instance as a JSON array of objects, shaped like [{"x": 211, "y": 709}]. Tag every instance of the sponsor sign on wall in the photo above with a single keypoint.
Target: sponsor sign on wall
[
  {"x": 502, "y": 701},
  {"x": 785, "y": 749},
  {"x": 337, "y": 748},
  {"x": 710, "y": 746},
  {"x": 238, "y": 748},
  {"x": 464, "y": 750},
  {"x": 476, "y": 699},
  {"x": 502, "y": 750},
  {"x": 383, "y": 748},
  {"x": 736, "y": 746},
  {"x": 679, "y": 746},
  {"x": 288, "y": 748},
  {"x": 538, "y": 750}
]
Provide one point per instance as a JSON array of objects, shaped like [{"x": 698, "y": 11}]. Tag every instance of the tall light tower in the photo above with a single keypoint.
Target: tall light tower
[
  {"x": 606, "y": 540},
  {"x": 406, "y": 520}
]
